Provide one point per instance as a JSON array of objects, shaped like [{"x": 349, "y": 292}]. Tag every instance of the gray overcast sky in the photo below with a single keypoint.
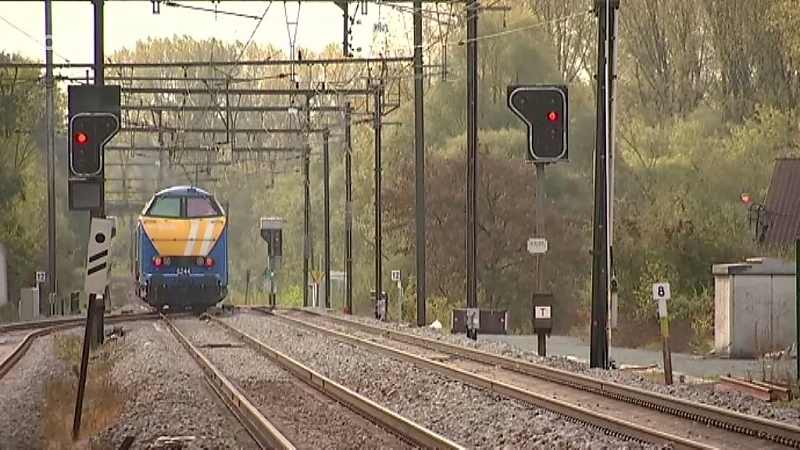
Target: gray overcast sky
[{"x": 318, "y": 25}]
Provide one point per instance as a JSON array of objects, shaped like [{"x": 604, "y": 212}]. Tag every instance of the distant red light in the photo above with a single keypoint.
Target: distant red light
[
  {"x": 552, "y": 116},
  {"x": 745, "y": 198},
  {"x": 81, "y": 138}
]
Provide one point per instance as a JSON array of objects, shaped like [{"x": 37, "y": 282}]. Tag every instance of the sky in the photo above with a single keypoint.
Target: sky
[{"x": 22, "y": 25}]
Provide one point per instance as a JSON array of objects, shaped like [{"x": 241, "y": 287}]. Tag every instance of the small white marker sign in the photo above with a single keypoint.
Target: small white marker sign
[
  {"x": 541, "y": 312},
  {"x": 41, "y": 277},
  {"x": 661, "y": 291},
  {"x": 537, "y": 245},
  {"x": 395, "y": 275}
]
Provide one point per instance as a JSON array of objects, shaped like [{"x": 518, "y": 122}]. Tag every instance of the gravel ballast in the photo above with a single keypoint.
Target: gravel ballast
[
  {"x": 732, "y": 400},
  {"x": 303, "y": 417},
  {"x": 470, "y": 416},
  {"x": 22, "y": 395},
  {"x": 168, "y": 395}
]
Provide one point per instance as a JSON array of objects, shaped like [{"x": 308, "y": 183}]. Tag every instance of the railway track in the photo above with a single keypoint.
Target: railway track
[
  {"x": 44, "y": 327},
  {"x": 74, "y": 321},
  {"x": 320, "y": 398},
  {"x": 263, "y": 432},
  {"x": 619, "y": 409}
]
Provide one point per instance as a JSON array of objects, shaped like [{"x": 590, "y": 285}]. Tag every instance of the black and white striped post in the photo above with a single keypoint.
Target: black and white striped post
[{"x": 95, "y": 283}]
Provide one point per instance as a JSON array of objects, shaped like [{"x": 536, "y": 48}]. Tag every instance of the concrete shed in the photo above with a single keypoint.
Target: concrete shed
[{"x": 754, "y": 307}]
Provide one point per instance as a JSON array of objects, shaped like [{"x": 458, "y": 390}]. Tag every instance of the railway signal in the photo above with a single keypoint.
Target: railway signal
[
  {"x": 543, "y": 108},
  {"x": 272, "y": 234},
  {"x": 89, "y": 133}
]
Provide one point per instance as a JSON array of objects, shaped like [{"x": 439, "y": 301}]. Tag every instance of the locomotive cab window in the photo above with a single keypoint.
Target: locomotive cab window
[
  {"x": 197, "y": 207},
  {"x": 169, "y": 207}
]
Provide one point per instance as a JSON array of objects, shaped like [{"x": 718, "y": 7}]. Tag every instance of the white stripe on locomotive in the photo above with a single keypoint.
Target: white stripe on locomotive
[
  {"x": 192, "y": 236},
  {"x": 205, "y": 246}
]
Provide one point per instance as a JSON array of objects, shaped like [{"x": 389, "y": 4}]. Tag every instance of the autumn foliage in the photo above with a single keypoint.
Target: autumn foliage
[{"x": 506, "y": 219}]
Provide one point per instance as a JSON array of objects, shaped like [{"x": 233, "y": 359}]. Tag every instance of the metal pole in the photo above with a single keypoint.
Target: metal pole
[
  {"x": 472, "y": 156},
  {"x": 419, "y": 162},
  {"x": 378, "y": 243},
  {"x": 162, "y": 160},
  {"x": 273, "y": 286},
  {"x": 51, "y": 155},
  {"x": 76, "y": 421},
  {"x": 399, "y": 302},
  {"x": 541, "y": 338},
  {"x": 99, "y": 80},
  {"x": 99, "y": 42},
  {"x": 348, "y": 209},
  {"x": 345, "y": 6},
  {"x": 611, "y": 44},
  {"x": 306, "y": 220},
  {"x": 306, "y": 202},
  {"x": 247, "y": 288},
  {"x": 598, "y": 356},
  {"x": 666, "y": 353},
  {"x": 326, "y": 193}
]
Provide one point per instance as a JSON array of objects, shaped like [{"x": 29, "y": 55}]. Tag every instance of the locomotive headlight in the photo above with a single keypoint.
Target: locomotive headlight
[
  {"x": 209, "y": 261},
  {"x": 200, "y": 261},
  {"x": 157, "y": 261},
  {"x": 167, "y": 261}
]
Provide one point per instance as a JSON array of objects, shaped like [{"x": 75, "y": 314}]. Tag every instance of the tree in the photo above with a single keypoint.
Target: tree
[
  {"x": 21, "y": 188},
  {"x": 505, "y": 221}
]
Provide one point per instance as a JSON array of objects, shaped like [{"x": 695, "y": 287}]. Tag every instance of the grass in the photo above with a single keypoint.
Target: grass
[
  {"x": 103, "y": 399},
  {"x": 9, "y": 313},
  {"x": 785, "y": 376}
]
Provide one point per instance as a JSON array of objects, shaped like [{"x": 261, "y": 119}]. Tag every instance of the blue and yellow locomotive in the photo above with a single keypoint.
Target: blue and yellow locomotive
[{"x": 180, "y": 250}]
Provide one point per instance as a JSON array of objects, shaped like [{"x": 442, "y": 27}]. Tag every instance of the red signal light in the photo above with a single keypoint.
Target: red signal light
[
  {"x": 745, "y": 198},
  {"x": 157, "y": 261},
  {"x": 552, "y": 116},
  {"x": 209, "y": 262},
  {"x": 81, "y": 138}
]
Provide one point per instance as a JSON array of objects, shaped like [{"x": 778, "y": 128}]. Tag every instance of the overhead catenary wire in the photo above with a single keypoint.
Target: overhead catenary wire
[
  {"x": 360, "y": 72},
  {"x": 29, "y": 36}
]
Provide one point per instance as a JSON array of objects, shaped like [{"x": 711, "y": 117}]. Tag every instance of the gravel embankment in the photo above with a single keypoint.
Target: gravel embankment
[
  {"x": 168, "y": 395},
  {"x": 472, "y": 417},
  {"x": 304, "y": 418},
  {"x": 724, "y": 399},
  {"x": 22, "y": 395}
]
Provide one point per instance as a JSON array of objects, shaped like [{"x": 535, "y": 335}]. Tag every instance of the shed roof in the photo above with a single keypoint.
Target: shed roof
[
  {"x": 783, "y": 203},
  {"x": 755, "y": 266}
]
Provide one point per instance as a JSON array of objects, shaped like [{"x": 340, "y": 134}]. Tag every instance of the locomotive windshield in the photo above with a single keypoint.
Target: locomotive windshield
[
  {"x": 174, "y": 207},
  {"x": 168, "y": 207},
  {"x": 197, "y": 207}
]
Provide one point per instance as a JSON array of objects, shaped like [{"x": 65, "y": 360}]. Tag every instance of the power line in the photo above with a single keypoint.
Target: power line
[{"x": 41, "y": 44}]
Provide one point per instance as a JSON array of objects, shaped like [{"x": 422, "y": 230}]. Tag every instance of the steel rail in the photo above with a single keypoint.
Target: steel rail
[
  {"x": 778, "y": 432},
  {"x": 259, "y": 427},
  {"x": 46, "y": 327},
  {"x": 610, "y": 425},
  {"x": 386, "y": 418},
  {"x": 75, "y": 321}
]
